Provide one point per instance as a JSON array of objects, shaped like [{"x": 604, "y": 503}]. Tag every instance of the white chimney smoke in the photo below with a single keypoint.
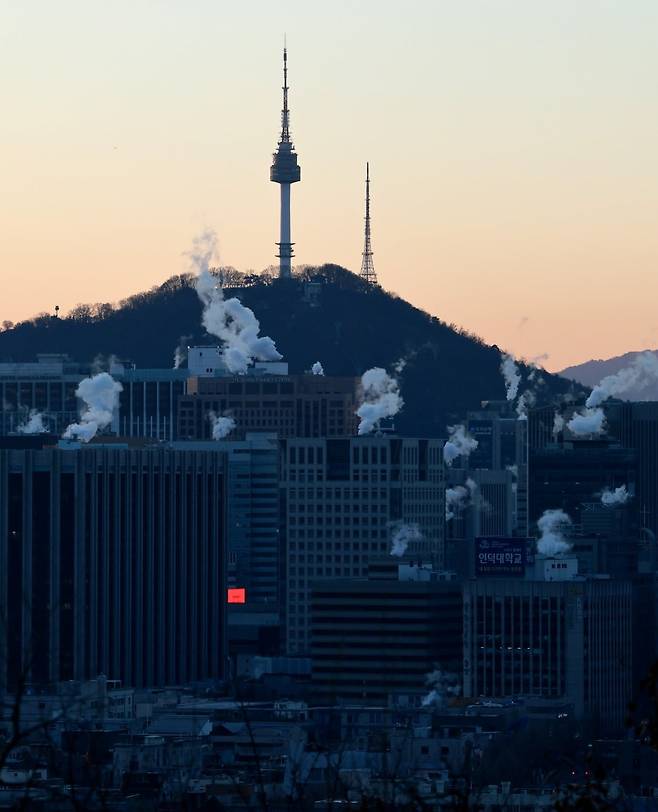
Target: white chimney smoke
[
  {"x": 33, "y": 424},
  {"x": 228, "y": 319},
  {"x": 459, "y": 444},
  {"x": 620, "y": 496},
  {"x": 100, "y": 395},
  {"x": 221, "y": 426},
  {"x": 459, "y": 498},
  {"x": 380, "y": 398},
  {"x": 404, "y": 534},
  {"x": 553, "y": 525}
]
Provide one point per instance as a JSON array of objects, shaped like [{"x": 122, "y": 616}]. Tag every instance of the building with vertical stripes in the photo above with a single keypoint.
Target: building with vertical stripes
[
  {"x": 113, "y": 561},
  {"x": 568, "y": 639}
]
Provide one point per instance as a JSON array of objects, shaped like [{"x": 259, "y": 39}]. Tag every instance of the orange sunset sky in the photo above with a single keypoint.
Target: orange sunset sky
[{"x": 512, "y": 149}]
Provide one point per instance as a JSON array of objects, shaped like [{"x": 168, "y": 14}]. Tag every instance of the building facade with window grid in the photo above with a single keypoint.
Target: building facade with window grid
[
  {"x": 569, "y": 639},
  {"x": 290, "y": 405},
  {"x": 342, "y": 500}
]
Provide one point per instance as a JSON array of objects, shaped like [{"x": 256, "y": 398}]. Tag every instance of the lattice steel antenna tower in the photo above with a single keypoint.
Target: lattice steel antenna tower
[
  {"x": 367, "y": 265},
  {"x": 284, "y": 171}
]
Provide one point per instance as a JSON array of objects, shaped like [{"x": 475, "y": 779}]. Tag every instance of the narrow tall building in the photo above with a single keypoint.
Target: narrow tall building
[
  {"x": 367, "y": 265},
  {"x": 284, "y": 171}
]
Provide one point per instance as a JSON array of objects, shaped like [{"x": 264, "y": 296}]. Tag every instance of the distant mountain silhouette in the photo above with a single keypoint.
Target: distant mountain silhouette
[
  {"x": 591, "y": 372},
  {"x": 326, "y": 314}
]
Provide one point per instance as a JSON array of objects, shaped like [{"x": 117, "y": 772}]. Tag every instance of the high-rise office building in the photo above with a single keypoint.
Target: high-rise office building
[
  {"x": 112, "y": 560},
  {"x": 635, "y": 426},
  {"x": 572, "y": 473},
  {"x": 254, "y": 544},
  {"x": 148, "y": 402},
  {"x": 289, "y": 405},
  {"x": 502, "y": 446},
  {"x": 553, "y": 635},
  {"x": 377, "y": 638},
  {"x": 343, "y": 499}
]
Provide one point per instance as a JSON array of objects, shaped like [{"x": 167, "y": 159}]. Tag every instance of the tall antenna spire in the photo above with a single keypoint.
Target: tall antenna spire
[
  {"x": 367, "y": 266},
  {"x": 285, "y": 114}
]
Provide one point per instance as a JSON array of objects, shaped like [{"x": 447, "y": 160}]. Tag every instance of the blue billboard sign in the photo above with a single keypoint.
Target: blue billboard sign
[{"x": 501, "y": 556}]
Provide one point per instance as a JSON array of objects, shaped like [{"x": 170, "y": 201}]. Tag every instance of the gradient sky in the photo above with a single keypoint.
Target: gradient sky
[{"x": 512, "y": 148}]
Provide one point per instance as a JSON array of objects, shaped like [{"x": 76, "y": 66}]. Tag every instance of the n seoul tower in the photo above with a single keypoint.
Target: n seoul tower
[{"x": 284, "y": 171}]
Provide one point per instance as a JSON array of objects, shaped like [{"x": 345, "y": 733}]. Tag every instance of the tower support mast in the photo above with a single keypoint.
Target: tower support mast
[
  {"x": 285, "y": 171},
  {"x": 367, "y": 265}
]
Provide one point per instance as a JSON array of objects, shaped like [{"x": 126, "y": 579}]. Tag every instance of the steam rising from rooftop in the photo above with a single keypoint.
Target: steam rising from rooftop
[
  {"x": 459, "y": 444},
  {"x": 228, "y": 319},
  {"x": 553, "y": 525},
  {"x": 403, "y": 534},
  {"x": 380, "y": 399},
  {"x": 587, "y": 422},
  {"x": 512, "y": 376},
  {"x": 100, "y": 395},
  {"x": 34, "y": 424},
  {"x": 221, "y": 426},
  {"x": 458, "y": 498},
  {"x": 620, "y": 496}
]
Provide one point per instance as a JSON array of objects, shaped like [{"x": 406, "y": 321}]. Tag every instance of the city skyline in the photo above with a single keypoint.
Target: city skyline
[{"x": 510, "y": 151}]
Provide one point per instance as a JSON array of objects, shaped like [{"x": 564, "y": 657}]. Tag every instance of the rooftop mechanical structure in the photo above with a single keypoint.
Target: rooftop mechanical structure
[
  {"x": 367, "y": 265},
  {"x": 284, "y": 171}
]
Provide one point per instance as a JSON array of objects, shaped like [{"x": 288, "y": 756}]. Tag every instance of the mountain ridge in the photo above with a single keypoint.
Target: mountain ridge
[
  {"x": 589, "y": 373},
  {"x": 326, "y": 314}
]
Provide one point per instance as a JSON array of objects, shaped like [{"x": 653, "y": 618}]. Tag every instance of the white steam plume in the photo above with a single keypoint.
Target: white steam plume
[
  {"x": 33, "y": 424},
  {"x": 558, "y": 424},
  {"x": 526, "y": 401},
  {"x": 380, "y": 398},
  {"x": 459, "y": 444},
  {"x": 619, "y": 496},
  {"x": 228, "y": 319},
  {"x": 317, "y": 368},
  {"x": 587, "y": 422},
  {"x": 100, "y": 395},
  {"x": 443, "y": 685},
  {"x": 641, "y": 373},
  {"x": 553, "y": 525},
  {"x": 512, "y": 376},
  {"x": 459, "y": 498},
  {"x": 180, "y": 353},
  {"x": 221, "y": 426},
  {"x": 402, "y": 535}
]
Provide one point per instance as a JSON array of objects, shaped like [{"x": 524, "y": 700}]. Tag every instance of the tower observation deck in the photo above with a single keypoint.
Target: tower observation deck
[{"x": 284, "y": 171}]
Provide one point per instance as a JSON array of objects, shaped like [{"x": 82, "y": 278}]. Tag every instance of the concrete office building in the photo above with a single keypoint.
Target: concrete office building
[
  {"x": 502, "y": 446},
  {"x": 46, "y": 385},
  {"x": 378, "y": 638},
  {"x": 342, "y": 499},
  {"x": 554, "y": 635},
  {"x": 112, "y": 560},
  {"x": 289, "y": 405},
  {"x": 148, "y": 404}
]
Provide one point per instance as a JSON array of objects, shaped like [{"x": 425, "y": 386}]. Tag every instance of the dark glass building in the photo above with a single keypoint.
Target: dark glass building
[{"x": 112, "y": 560}]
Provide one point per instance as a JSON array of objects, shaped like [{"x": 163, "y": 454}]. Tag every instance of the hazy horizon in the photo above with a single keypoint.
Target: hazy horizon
[{"x": 514, "y": 175}]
